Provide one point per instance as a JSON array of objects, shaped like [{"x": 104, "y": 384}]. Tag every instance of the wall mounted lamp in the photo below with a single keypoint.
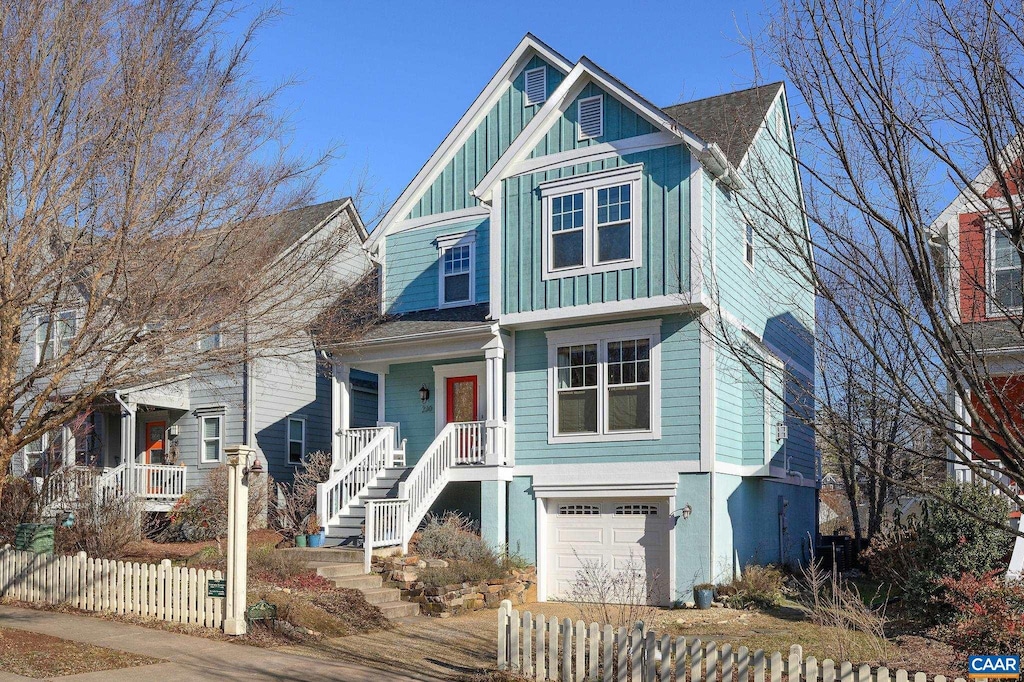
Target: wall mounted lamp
[
  {"x": 424, "y": 393},
  {"x": 684, "y": 512}
]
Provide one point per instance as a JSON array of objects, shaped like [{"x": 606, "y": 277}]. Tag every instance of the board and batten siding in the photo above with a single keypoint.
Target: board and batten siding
[
  {"x": 411, "y": 277},
  {"x": 469, "y": 165},
  {"x": 665, "y": 267},
  {"x": 620, "y": 122},
  {"x": 680, "y": 403}
]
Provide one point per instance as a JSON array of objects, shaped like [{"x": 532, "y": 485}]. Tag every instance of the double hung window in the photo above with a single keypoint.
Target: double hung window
[
  {"x": 1004, "y": 274},
  {"x": 456, "y": 270}
]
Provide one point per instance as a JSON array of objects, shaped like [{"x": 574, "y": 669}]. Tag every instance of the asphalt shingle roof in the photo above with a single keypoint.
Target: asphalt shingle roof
[
  {"x": 398, "y": 327},
  {"x": 994, "y": 335},
  {"x": 730, "y": 120}
]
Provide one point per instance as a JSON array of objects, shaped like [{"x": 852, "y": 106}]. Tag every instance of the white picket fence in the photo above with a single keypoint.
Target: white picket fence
[
  {"x": 160, "y": 591},
  {"x": 561, "y": 651}
]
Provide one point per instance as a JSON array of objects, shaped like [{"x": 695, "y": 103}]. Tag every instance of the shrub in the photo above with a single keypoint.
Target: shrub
[
  {"x": 452, "y": 537},
  {"x": 19, "y": 503},
  {"x": 943, "y": 543},
  {"x": 988, "y": 614},
  {"x": 847, "y": 624},
  {"x": 759, "y": 587},
  {"x": 458, "y": 572},
  {"x": 620, "y": 597},
  {"x": 202, "y": 513},
  {"x": 105, "y": 530},
  {"x": 295, "y": 510}
]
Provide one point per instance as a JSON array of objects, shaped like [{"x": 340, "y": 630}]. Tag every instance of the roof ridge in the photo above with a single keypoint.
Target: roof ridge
[{"x": 724, "y": 94}]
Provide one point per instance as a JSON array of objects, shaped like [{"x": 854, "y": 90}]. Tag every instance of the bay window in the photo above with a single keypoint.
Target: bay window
[
  {"x": 604, "y": 383},
  {"x": 592, "y": 222}
]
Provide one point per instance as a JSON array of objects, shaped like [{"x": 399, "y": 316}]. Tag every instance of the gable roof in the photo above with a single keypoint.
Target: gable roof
[
  {"x": 730, "y": 120},
  {"x": 516, "y": 61},
  {"x": 586, "y": 71}
]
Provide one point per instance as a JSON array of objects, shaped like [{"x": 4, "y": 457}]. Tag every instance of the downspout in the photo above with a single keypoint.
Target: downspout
[
  {"x": 246, "y": 398},
  {"x": 714, "y": 454}
]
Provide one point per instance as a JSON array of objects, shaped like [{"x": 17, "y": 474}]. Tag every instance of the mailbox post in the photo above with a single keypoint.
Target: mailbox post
[{"x": 241, "y": 461}]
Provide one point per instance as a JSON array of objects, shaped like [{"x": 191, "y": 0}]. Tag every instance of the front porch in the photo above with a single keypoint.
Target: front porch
[{"x": 126, "y": 444}]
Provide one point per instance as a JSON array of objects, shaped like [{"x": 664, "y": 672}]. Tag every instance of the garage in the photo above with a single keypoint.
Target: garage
[{"x": 618, "y": 534}]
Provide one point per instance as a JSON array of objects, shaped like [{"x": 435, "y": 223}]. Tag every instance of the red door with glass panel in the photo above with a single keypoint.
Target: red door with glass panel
[{"x": 461, "y": 406}]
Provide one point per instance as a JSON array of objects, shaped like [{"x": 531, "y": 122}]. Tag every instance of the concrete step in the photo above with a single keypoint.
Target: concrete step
[
  {"x": 327, "y": 554},
  {"x": 382, "y": 595},
  {"x": 339, "y": 570},
  {"x": 364, "y": 581},
  {"x": 399, "y": 609}
]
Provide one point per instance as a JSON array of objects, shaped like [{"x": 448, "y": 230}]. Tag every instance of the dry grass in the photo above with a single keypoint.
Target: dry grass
[{"x": 41, "y": 656}]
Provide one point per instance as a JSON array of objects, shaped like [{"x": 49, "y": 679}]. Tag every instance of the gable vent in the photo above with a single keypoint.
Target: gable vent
[
  {"x": 590, "y": 113},
  {"x": 536, "y": 86}
]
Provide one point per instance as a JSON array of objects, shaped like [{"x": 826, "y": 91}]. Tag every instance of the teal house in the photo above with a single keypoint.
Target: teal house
[{"x": 592, "y": 340}]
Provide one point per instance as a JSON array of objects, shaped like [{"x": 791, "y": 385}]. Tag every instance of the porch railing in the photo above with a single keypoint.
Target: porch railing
[
  {"x": 385, "y": 527},
  {"x": 159, "y": 481},
  {"x": 354, "y": 440},
  {"x": 337, "y": 495}
]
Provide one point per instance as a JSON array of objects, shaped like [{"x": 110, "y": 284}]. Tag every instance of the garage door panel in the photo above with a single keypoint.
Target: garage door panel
[
  {"x": 580, "y": 536},
  {"x": 619, "y": 541}
]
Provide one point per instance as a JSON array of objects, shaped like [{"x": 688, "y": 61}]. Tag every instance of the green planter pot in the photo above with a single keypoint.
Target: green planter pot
[
  {"x": 703, "y": 597},
  {"x": 300, "y": 540}
]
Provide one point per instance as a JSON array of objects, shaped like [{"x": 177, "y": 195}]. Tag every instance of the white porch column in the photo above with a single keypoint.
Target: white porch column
[
  {"x": 67, "y": 440},
  {"x": 495, "y": 358},
  {"x": 341, "y": 401},
  {"x": 128, "y": 452}
]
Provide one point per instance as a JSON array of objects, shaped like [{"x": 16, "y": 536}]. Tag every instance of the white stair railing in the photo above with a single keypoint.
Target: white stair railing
[
  {"x": 114, "y": 483},
  {"x": 385, "y": 527},
  {"x": 337, "y": 494}
]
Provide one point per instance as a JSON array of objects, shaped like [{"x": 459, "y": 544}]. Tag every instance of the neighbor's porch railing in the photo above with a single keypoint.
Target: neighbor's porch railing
[{"x": 159, "y": 481}]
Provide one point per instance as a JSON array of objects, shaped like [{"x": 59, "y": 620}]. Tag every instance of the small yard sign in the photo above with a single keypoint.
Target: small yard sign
[{"x": 216, "y": 588}]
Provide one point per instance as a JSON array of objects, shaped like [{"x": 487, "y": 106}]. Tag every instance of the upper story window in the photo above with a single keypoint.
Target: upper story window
[
  {"x": 604, "y": 383},
  {"x": 296, "y": 440},
  {"x": 748, "y": 244},
  {"x": 211, "y": 341},
  {"x": 1005, "y": 280},
  {"x": 457, "y": 270},
  {"x": 592, "y": 222},
  {"x": 34, "y": 452},
  {"x": 54, "y": 334},
  {"x": 590, "y": 117},
  {"x": 536, "y": 90}
]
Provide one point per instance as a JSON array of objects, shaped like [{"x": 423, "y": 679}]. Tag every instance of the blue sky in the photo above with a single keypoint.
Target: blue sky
[{"x": 388, "y": 80}]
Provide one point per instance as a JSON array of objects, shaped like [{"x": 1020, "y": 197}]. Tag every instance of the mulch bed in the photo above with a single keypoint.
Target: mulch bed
[{"x": 41, "y": 656}]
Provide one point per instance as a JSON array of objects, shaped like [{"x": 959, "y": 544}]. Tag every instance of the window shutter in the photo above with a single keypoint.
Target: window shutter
[
  {"x": 591, "y": 117},
  {"x": 536, "y": 86}
]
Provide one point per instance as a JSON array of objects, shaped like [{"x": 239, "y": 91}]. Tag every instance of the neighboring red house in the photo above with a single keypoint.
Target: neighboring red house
[{"x": 985, "y": 292}]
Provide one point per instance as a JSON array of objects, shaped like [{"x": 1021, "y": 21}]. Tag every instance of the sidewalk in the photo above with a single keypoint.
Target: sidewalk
[{"x": 188, "y": 658}]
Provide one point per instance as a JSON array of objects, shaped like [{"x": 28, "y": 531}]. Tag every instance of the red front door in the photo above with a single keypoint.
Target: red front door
[
  {"x": 461, "y": 406},
  {"x": 461, "y": 399},
  {"x": 155, "y": 453}
]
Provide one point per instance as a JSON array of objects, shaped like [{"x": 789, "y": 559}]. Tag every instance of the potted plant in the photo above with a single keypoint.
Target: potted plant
[
  {"x": 300, "y": 539},
  {"x": 314, "y": 531},
  {"x": 703, "y": 595}
]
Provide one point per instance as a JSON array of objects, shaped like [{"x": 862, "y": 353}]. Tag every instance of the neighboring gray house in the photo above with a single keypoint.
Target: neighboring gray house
[{"x": 159, "y": 441}]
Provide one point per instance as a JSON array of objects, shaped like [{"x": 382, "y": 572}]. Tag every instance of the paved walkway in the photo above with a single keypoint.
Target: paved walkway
[{"x": 188, "y": 658}]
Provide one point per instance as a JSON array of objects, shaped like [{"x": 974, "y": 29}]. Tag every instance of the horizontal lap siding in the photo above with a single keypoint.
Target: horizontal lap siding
[
  {"x": 207, "y": 394},
  {"x": 503, "y": 123},
  {"x": 665, "y": 268},
  {"x": 680, "y": 403},
  {"x": 411, "y": 279}
]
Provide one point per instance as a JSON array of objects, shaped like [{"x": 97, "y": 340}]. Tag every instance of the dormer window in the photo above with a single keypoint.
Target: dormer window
[
  {"x": 590, "y": 117},
  {"x": 456, "y": 270},
  {"x": 536, "y": 88}
]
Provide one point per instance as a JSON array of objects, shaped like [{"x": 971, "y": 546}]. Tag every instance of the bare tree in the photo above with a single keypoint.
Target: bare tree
[
  {"x": 142, "y": 176},
  {"x": 903, "y": 105}
]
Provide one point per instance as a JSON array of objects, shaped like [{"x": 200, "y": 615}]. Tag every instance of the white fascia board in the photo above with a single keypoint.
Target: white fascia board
[
  {"x": 462, "y": 215},
  {"x": 583, "y": 73},
  {"x": 632, "y": 308},
  {"x": 464, "y": 128}
]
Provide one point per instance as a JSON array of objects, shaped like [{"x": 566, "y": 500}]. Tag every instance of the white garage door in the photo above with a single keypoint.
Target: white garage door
[{"x": 616, "y": 534}]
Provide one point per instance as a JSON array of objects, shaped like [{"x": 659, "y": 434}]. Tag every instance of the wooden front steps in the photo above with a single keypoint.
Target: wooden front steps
[{"x": 344, "y": 567}]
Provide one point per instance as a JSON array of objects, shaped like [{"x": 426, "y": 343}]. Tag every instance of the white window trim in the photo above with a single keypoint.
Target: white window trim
[
  {"x": 290, "y": 440},
  {"x": 991, "y": 309},
  {"x": 749, "y": 244},
  {"x": 526, "y": 78},
  {"x": 203, "y": 439},
  {"x": 580, "y": 135},
  {"x": 55, "y": 339},
  {"x": 588, "y": 184},
  {"x": 44, "y": 444},
  {"x": 443, "y": 244},
  {"x": 649, "y": 329},
  {"x": 215, "y": 332}
]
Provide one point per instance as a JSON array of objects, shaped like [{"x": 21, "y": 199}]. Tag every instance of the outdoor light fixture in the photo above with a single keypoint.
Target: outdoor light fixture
[
  {"x": 255, "y": 468},
  {"x": 684, "y": 512},
  {"x": 424, "y": 393}
]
